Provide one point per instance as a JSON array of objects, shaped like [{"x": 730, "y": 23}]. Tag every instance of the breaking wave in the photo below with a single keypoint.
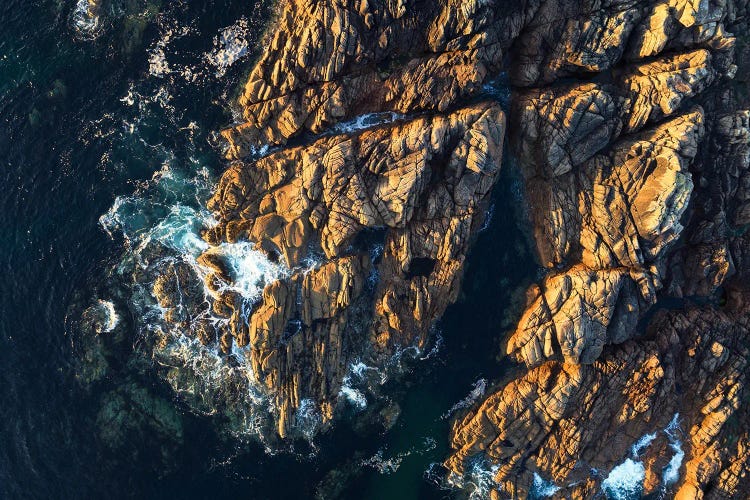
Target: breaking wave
[
  {"x": 85, "y": 20},
  {"x": 625, "y": 481},
  {"x": 541, "y": 488}
]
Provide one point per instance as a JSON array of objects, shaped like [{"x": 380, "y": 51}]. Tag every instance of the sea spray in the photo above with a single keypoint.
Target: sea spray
[
  {"x": 625, "y": 481},
  {"x": 479, "y": 478},
  {"x": 385, "y": 465},
  {"x": 643, "y": 443},
  {"x": 541, "y": 488},
  {"x": 161, "y": 226},
  {"x": 671, "y": 472}
]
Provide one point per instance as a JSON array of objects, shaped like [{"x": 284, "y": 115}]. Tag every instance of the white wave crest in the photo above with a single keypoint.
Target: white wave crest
[
  {"x": 111, "y": 317},
  {"x": 625, "y": 481}
]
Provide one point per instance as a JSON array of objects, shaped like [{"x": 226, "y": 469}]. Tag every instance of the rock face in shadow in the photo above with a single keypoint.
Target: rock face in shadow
[{"x": 630, "y": 128}]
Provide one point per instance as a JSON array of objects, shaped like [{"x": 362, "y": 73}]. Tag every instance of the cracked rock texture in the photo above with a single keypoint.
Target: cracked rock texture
[
  {"x": 632, "y": 137},
  {"x": 385, "y": 215},
  {"x": 630, "y": 127}
]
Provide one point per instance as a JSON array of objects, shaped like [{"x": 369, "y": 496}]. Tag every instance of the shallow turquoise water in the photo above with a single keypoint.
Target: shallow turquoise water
[{"x": 95, "y": 124}]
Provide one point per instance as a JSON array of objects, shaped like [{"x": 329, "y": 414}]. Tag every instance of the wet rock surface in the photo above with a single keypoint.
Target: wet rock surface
[{"x": 629, "y": 125}]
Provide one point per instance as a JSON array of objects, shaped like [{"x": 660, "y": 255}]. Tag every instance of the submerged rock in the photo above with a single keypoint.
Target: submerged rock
[{"x": 131, "y": 417}]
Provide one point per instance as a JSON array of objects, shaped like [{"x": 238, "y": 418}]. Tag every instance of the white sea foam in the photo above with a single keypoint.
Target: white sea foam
[
  {"x": 642, "y": 444},
  {"x": 85, "y": 20},
  {"x": 356, "y": 381},
  {"x": 157, "y": 63},
  {"x": 230, "y": 46},
  {"x": 477, "y": 481},
  {"x": 101, "y": 316},
  {"x": 383, "y": 465},
  {"x": 477, "y": 391},
  {"x": 111, "y": 317},
  {"x": 389, "y": 465},
  {"x": 542, "y": 488},
  {"x": 251, "y": 269},
  {"x": 354, "y": 396},
  {"x": 366, "y": 121},
  {"x": 480, "y": 479},
  {"x": 436, "y": 346},
  {"x": 201, "y": 374},
  {"x": 362, "y": 372},
  {"x": 671, "y": 472},
  {"x": 308, "y": 420},
  {"x": 179, "y": 231},
  {"x": 157, "y": 60},
  {"x": 624, "y": 482}
]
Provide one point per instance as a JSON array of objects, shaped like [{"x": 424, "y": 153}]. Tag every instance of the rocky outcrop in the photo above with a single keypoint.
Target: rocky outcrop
[
  {"x": 614, "y": 215},
  {"x": 332, "y": 60},
  {"x": 635, "y": 181},
  {"x": 630, "y": 132},
  {"x": 561, "y": 420},
  {"x": 374, "y": 228}
]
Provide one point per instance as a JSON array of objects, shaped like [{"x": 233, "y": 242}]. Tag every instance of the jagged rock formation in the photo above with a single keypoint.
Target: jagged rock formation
[
  {"x": 417, "y": 188},
  {"x": 563, "y": 419},
  {"x": 636, "y": 182},
  {"x": 615, "y": 215},
  {"x": 629, "y": 124},
  {"x": 332, "y": 60}
]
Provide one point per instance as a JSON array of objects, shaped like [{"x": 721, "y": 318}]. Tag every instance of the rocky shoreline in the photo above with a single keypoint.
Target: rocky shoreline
[{"x": 630, "y": 125}]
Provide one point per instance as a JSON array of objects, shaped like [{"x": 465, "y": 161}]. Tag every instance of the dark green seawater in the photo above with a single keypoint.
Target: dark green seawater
[{"x": 107, "y": 140}]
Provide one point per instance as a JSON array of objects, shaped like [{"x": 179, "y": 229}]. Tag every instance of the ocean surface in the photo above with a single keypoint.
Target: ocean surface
[{"x": 109, "y": 149}]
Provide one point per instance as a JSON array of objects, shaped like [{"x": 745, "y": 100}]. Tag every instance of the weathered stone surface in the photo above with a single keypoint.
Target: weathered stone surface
[
  {"x": 582, "y": 38},
  {"x": 629, "y": 124},
  {"x": 561, "y": 420},
  {"x": 611, "y": 218},
  {"x": 635, "y": 180},
  {"x": 417, "y": 188},
  {"x": 335, "y": 59}
]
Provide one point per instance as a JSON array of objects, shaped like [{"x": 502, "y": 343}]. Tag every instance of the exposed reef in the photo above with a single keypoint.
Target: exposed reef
[
  {"x": 629, "y": 123},
  {"x": 373, "y": 228}
]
